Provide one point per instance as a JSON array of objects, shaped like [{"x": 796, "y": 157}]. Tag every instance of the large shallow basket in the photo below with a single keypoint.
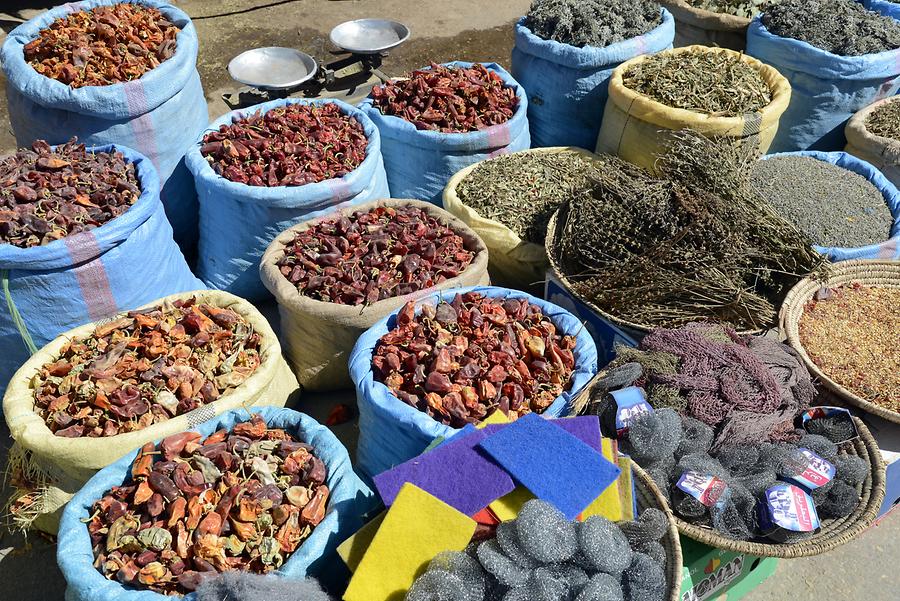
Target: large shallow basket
[
  {"x": 870, "y": 272},
  {"x": 649, "y": 495},
  {"x": 833, "y": 533}
]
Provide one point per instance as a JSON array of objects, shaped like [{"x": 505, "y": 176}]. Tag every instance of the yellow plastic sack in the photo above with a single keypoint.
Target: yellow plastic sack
[
  {"x": 698, "y": 26},
  {"x": 513, "y": 262},
  {"x": 319, "y": 336},
  {"x": 51, "y": 469},
  {"x": 635, "y": 126},
  {"x": 883, "y": 153}
]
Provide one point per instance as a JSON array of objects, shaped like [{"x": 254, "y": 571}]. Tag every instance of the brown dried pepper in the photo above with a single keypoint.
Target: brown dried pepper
[
  {"x": 103, "y": 46},
  {"x": 373, "y": 255},
  {"x": 448, "y": 99},
  {"x": 459, "y": 361},
  {"x": 171, "y": 542}
]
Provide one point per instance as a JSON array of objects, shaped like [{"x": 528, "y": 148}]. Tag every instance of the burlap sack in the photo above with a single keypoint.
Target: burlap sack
[
  {"x": 55, "y": 468},
  {"x": 634, "y": 126},
  {"x": 884, "y": 153},
  {"x": 319, "y": 336},
  {"x": 698, "y": 26}
]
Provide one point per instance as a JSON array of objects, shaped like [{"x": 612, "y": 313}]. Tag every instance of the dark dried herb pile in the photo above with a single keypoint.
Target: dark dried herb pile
[
  {"x": 49, "y": 194},
  {"x": 738, "y": 8},
  {"x": 192, "y": 508},
  {"x": 597, "y": 23},
  {"x": 103, "y": 46},
  {"x": 832, "y": 205},
  {"x": 703, "y": 81},
  {"x": 292, "y": 145},
  {"x": 144, "y": 368},
  {"x": 885, "y": 121},
  {"x": 448, "y": 99},
  {"x": 692, "y": 243},
  {"x": 842, "y": 27},
  {"x": 463, "y": 359},
  {"x": 523, "y": 190},
  {"x": 374, "y": 255}
]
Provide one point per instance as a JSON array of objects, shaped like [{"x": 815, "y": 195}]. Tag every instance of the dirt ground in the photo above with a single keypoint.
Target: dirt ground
[{"x": 466, "y": 30}]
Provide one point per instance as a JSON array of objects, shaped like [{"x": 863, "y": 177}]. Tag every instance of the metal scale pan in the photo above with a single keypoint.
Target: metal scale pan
[
  {"x": 273, "y": 68},
  {"x": 369, "y": 36}
]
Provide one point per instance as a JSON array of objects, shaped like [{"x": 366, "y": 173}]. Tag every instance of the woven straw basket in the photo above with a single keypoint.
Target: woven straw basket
[
  {"x": 649, "y": 495},
  {"x": 833, "y": 533},
  {"x": 869, "y": 271}
]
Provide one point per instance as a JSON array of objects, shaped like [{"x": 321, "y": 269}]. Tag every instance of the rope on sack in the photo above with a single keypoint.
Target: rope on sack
[{"x": 14, "y": 313}]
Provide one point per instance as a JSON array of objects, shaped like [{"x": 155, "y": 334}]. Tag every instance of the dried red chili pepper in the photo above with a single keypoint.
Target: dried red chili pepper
[
  {"x": 144, "y": 368},
  {"x": 292, "y": 145},
  {"x": 461, "y": 360},
  {"x": 171, "y": 541},
  {"x": 102, "y": 46},
  {"x": 373, "y": 255},
  {"x": 448, "y": 99},
  {"x": 49, "y": 194},
  {"x": 340, "y": 414}
]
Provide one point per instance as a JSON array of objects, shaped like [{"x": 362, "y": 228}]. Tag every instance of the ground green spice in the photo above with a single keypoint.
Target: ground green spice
[
  {"x": 597, "y": 23},
  {"x": 738, "y": 8},
  {"x": 842, "y": 27},
  {"x": 832, "y": 205},
  {"x": 712, "y": 82},
  {"x": 850, "y": 333},
  {"x": 523, "y": 190},
  {"x": 885, "y": 121}
]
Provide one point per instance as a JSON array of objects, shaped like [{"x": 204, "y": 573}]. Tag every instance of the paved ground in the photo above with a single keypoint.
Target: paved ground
[{"x": 468, "y": 30}]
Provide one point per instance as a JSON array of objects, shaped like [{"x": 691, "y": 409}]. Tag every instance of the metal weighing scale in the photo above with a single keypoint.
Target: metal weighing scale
[{"x": 275, "y": 72}]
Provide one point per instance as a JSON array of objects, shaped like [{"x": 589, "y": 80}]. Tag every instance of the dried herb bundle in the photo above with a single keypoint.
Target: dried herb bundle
[
  {"x": 692, "y": 243},
  {"x": 292, "y": 145},
  {"x": 522, "y": 191},
  {"x": 842, "y": 27},
  {"x": 103, "y": 46},
  {"x": 144, "y": 368},
  {"x": 738, "y": 8},
  {"x": 463, "y": 359},
  {"x": 49, "y": 194},
  {"x": 885, "y": 121},
  {"x": 374, "y": 255},
  {"x": 596, "y": 23},
  {"x": 704, "y": 81},
  {"x": 240, "y": 500},
  {"x": 448, "y": 99},
  {"x": 851, "y": 334}
]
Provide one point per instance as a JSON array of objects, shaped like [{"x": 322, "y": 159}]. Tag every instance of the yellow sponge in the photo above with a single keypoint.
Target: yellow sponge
[
  {"x": 353, "y": 549},
  {"x": 415, "y": 529},
  {"x": 609, "y": 503}
]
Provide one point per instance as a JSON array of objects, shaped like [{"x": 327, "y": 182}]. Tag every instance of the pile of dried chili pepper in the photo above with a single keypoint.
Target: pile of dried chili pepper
[
  {"x": 243, "y": 500},
  {"x": 103, "y": 46},
  {"x": 373, "y": 255},
  {"x": 448, "y": 99},
  {"x": 48, "y": 194},
  {"x": 461, "y": 360},
  {"x": 144, "y": 368},
  {"x": 292, "y": 145}
]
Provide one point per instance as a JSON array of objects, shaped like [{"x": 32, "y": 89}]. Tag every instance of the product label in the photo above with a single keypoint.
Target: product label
[
  {"x": 718, "y": 580},
  {"x": 813, "y": 471},
  {"x": 707, "y": 489},
  {"x": 791, "y": 508},
  {"x": 631, "y": 403}
]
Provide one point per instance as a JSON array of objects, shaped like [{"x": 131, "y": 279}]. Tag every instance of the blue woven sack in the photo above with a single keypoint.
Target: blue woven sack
[
  {"x": 238, "y": 221},
  {"x": 890, "y": 248},
  {"x": 391, "y": 432},
  {"x": 419, "y": 163},
  {"x": 159, "y": 114},
  {"x": 567, "y": 86},
  {"x": 349, "y": 501},
  {"x": 125, "y": 263},
  {"x": 826, "y": 89}
]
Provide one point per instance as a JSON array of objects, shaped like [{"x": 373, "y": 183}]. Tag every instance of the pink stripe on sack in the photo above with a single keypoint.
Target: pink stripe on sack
[
  {"x": 91, "y": 275},
  {"x": 499, "y": 136},
  {"x": 340, "y": 191},
  {"x": 890, "y": 249},
  {"x": 73, "y": 7},
  {"x": 142, "y": 125}
]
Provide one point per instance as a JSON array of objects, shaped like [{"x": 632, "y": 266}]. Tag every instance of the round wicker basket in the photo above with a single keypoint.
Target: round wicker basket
[
  {"x": 649, "y": 495},
  {"x": 871, "y": 272},
  {"x": 833, "y": 533}
]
